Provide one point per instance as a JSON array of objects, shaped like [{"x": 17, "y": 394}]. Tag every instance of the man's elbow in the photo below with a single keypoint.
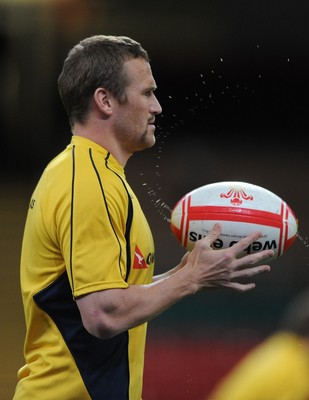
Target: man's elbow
[
  {"x": 100, "y": 314},
  {"x": 103, "y": 329}
]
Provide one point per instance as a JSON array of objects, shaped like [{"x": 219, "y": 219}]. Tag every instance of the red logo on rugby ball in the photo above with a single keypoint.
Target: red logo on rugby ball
[{"x": 236, "y": 194}]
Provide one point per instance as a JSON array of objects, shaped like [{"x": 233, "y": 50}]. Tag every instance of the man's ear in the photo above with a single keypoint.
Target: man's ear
[{"x": 102, "y": 98}]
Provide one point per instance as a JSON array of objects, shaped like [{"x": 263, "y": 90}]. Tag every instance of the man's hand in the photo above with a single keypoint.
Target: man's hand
[{"x": 224, "y": 268}]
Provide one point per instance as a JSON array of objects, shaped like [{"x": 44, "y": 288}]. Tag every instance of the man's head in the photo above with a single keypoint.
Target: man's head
[{"x": 96, "y": 61}]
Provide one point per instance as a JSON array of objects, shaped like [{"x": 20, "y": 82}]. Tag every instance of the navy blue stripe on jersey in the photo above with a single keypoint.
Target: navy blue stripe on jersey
[
  {"x": 103, "y": 364},
  {"x": 129, "y": 220},
  {"x": 127, "y": 235},
  {"x": 129, "y": 212},
  {"x": 72, "y": 208},
  {"x": 106, "y": 204}
]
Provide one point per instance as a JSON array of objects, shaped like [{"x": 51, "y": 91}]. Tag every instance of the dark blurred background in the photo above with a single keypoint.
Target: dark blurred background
[{"x": 233, "y": 82}]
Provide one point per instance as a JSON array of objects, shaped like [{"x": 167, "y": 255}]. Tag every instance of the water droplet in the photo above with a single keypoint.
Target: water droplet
[{"x": 304, "y": 239}]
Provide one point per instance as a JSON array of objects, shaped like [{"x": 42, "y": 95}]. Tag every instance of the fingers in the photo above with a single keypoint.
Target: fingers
[
  {"x": 245, "y": 270},
  {"x": 245, "y": 273},
  {"x": 239, "y": 287},
  {"x": 212, "y": 235},
  {"x": 229, "y": 266},
  {"x": 238, "y": 247},
  {"x": 253, "y": 258},
  {"x": 245, "y": 242},
  {"x": 242, "y": 245},
  {"x": 250, "y": 272},
  {"x": 246, "y": 267}
]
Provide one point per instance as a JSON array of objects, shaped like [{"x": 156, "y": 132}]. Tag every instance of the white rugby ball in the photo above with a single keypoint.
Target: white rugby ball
[{"x": 241, "y": 208}]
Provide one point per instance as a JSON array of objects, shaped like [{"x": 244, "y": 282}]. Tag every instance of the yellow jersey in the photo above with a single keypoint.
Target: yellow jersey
[{"x": 85, "y": 231}]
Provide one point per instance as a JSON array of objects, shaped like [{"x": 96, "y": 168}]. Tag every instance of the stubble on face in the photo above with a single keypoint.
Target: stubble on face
[{"x": 134, "y": 126}]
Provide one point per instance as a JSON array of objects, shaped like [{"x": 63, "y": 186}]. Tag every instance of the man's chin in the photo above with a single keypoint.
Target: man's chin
[{"x": 150, "y": 138}]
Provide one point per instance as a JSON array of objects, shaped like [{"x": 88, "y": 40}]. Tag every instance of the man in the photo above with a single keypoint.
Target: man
[{"x": 88, "y": 255}]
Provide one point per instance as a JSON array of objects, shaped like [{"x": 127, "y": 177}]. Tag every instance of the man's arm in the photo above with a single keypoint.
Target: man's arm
[{"x": 109, "y": 312}]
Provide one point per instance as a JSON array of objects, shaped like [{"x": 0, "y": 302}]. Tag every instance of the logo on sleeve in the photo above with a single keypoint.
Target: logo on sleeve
[{"x": 139, "y": 261}]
